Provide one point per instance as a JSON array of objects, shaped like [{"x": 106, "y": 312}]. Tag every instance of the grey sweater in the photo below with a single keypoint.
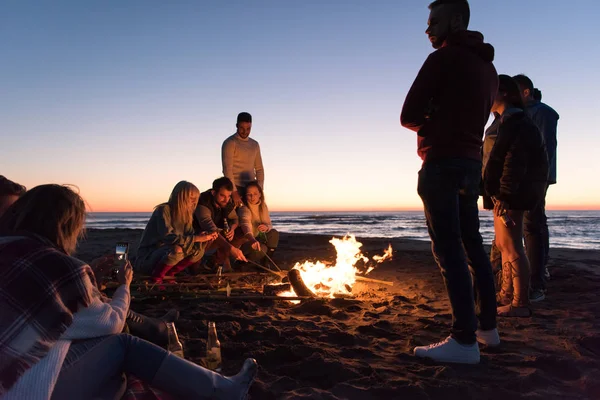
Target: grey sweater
[
  {"x": 161, "y": 232},
  {"x": 242, "y": 161}
]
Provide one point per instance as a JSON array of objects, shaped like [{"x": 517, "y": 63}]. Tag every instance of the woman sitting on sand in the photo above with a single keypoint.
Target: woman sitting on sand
[
  {"x": 255, "y": 224},
  {"x": 60, "y": 337},
  {"x": 168, "y": 244},
  {"x": 514, "y": 176}
]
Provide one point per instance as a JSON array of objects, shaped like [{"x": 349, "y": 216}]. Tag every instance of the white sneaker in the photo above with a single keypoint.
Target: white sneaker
[
  {"x": 489, "y": 338},
  {"x": 450, "y": 351}
]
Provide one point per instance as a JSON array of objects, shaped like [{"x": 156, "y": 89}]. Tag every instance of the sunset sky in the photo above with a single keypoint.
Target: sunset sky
[{"x": 126, "y": 98}]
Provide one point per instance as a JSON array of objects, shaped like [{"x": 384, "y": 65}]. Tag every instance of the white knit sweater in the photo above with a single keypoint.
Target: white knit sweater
[{"x": 98, "y": 319}]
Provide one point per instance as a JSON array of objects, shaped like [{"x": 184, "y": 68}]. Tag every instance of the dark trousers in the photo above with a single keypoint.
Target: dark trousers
[
  {"x": 537, "y": 243},
  {"x": 449, "y": 189},
  {"x": 268, "y": 241}
]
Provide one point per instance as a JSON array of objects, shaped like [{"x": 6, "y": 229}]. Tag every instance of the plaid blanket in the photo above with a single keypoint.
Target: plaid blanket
[
  {"x": 40, "y": 289},
  {"x": 140, "y": 390}
]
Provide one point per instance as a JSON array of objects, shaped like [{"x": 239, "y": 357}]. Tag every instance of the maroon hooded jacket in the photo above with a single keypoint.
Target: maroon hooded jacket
[{"x": 449, "y": 102}]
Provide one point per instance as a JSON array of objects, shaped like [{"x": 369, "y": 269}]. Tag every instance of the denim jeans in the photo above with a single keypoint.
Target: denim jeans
[
  {"x": 537, "y": 243},
  {"x": 449, "y": 189},
  {"x": 94, "y": 368}
]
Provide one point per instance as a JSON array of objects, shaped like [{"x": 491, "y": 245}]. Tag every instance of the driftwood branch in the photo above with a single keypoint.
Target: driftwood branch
[{"x": 364, "y": 279}]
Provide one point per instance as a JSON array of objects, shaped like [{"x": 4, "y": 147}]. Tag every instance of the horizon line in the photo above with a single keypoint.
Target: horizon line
[{"x": 365, "y": 210}]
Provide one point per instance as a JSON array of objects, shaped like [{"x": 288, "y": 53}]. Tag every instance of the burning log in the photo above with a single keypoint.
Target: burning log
[
  {"x": 273, "y": 290},
  {"x": 298, "y": 284}
]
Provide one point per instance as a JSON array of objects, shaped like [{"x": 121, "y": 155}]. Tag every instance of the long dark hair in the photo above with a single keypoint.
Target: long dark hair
[{"x": 512, "y": 94}]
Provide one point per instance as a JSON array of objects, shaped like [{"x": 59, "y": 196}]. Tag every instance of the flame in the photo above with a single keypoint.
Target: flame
[{"x": 327, "y": 280}]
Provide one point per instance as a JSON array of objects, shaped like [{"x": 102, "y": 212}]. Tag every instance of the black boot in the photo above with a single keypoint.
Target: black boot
[{"x": 151, "y": 329}]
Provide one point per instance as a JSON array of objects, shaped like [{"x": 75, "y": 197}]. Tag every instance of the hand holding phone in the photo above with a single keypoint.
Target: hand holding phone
[
  {"x": 121, "y": 255},
  {"x": 125, "y": 274}
]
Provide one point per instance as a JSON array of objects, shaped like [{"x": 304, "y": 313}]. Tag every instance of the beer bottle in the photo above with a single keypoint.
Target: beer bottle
[
  {"x": 213, "y": 349},
  {"x": 226, "y": 228}
]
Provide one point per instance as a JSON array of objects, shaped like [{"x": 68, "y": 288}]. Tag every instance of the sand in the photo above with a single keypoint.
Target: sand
[{"x": 362, "y": 349}]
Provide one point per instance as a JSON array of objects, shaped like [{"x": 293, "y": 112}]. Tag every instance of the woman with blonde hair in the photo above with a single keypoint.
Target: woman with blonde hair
[
  {"x": 169, "y": 244},
  {"x": 59, "y": 336},
  {"x": 255, "y": 224}
]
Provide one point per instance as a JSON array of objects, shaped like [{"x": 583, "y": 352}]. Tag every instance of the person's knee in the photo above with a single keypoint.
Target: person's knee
[
  {"x": 273, "y": 238},
  {"x": 174, "y": 256}
]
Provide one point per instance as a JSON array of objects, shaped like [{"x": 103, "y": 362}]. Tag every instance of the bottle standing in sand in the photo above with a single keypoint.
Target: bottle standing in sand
[
  {"x": 213, "y": 349},
  {"x": 225, "y": 227},
  {"x": 174, "y": 345}
]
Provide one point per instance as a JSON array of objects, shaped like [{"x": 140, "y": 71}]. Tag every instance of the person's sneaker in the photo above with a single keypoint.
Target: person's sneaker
[
  {"x": 489, "y": 338},
  {"x": 537, "y": 295},
  {"x": 450, "y": 351}
]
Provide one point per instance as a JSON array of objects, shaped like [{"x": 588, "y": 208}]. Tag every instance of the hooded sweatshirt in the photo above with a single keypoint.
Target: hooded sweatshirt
[{"x": 449, "y": 102}]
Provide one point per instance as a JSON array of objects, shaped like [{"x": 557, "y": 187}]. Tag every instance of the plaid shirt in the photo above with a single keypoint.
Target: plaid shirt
[{"x": 40, "y": 290}]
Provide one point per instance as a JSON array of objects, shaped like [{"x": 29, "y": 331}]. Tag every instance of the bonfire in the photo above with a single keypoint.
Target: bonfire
[{"x": 330, "y": 280}]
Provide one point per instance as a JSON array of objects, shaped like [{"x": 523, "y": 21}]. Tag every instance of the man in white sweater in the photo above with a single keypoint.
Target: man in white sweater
[{"x": 240, "y": 155}]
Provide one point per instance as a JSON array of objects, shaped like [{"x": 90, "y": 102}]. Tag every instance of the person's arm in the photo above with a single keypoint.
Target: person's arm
[
  {"x": 258, "y": 167},
  {"x": 233, "y": 220},
  {"x": 418, "y": 100},
  {"x": 245, "y": 221},
  {"x": 166, "y": 233},
  {"x": 100, "y": 318},
  {"x": 546, "y": 119},
  {"x": 227, "y": 152},
  {"x": 267, "y": 218},
  {"x": 204, "y": 218}
]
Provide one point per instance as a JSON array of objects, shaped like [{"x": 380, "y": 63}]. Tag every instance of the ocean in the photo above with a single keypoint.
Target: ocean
[{"x": 568, "y": 229}]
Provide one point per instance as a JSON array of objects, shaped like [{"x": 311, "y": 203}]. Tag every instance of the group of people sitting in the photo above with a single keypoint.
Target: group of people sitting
[
  {"x": 60, "y": 336},
  {"x": 231, "y": 219},
  {"x": 57, "y": 327}
]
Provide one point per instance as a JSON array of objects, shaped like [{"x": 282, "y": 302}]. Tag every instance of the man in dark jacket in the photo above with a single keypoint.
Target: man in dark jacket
[
  {"x": 535, "y": 223},
  {"x": 448, "y": 106},
  {"x": 215, "y": 207}
]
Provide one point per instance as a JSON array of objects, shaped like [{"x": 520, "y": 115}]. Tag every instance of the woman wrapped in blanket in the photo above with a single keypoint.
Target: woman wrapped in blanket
[
  {"x": 59, "y": 336},
  {"x": 255, "y": 225},
  {"x": 168, "y": 244},
  {"x": 515, "y": 175}
]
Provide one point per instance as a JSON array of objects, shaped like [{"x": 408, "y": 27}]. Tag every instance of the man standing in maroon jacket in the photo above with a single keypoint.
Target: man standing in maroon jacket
[{"x": 448, "y": 106}]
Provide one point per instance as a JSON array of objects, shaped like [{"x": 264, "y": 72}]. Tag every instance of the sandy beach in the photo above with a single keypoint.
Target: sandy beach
[{"x": 362, "y": 348}]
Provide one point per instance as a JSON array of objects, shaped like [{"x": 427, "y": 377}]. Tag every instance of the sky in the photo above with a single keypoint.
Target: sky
[{"x": 125, "y": 98}]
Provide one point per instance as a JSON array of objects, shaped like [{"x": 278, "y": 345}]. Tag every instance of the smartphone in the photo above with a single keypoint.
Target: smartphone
[{"x": 121, "y": 253}]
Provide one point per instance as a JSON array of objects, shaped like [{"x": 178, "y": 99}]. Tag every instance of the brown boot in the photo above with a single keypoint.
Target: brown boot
[
  {"x": 520, "y": 301},
  {"x": 505, "y": 295}
]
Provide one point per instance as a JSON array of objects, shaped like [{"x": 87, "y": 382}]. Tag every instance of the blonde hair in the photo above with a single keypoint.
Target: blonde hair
[
  {"x": 182, "y": 215},
  {"x": 54, "y": 212}
]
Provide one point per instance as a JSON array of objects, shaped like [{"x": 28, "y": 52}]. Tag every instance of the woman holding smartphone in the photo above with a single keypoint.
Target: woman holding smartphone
[
  {"x": 169, "y": 244},
  {"x": 60, "y": 336},
  {"x": 515, "y": 173}
]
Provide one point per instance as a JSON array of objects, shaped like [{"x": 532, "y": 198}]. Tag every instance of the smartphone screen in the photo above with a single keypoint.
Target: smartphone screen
[{"x": 121, "y": 251}]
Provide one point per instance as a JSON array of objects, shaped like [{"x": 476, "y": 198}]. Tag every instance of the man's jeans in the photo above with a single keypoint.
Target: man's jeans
[
  {"x": 449, "y": 189},
  {"x": 537, "y": 243}
]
